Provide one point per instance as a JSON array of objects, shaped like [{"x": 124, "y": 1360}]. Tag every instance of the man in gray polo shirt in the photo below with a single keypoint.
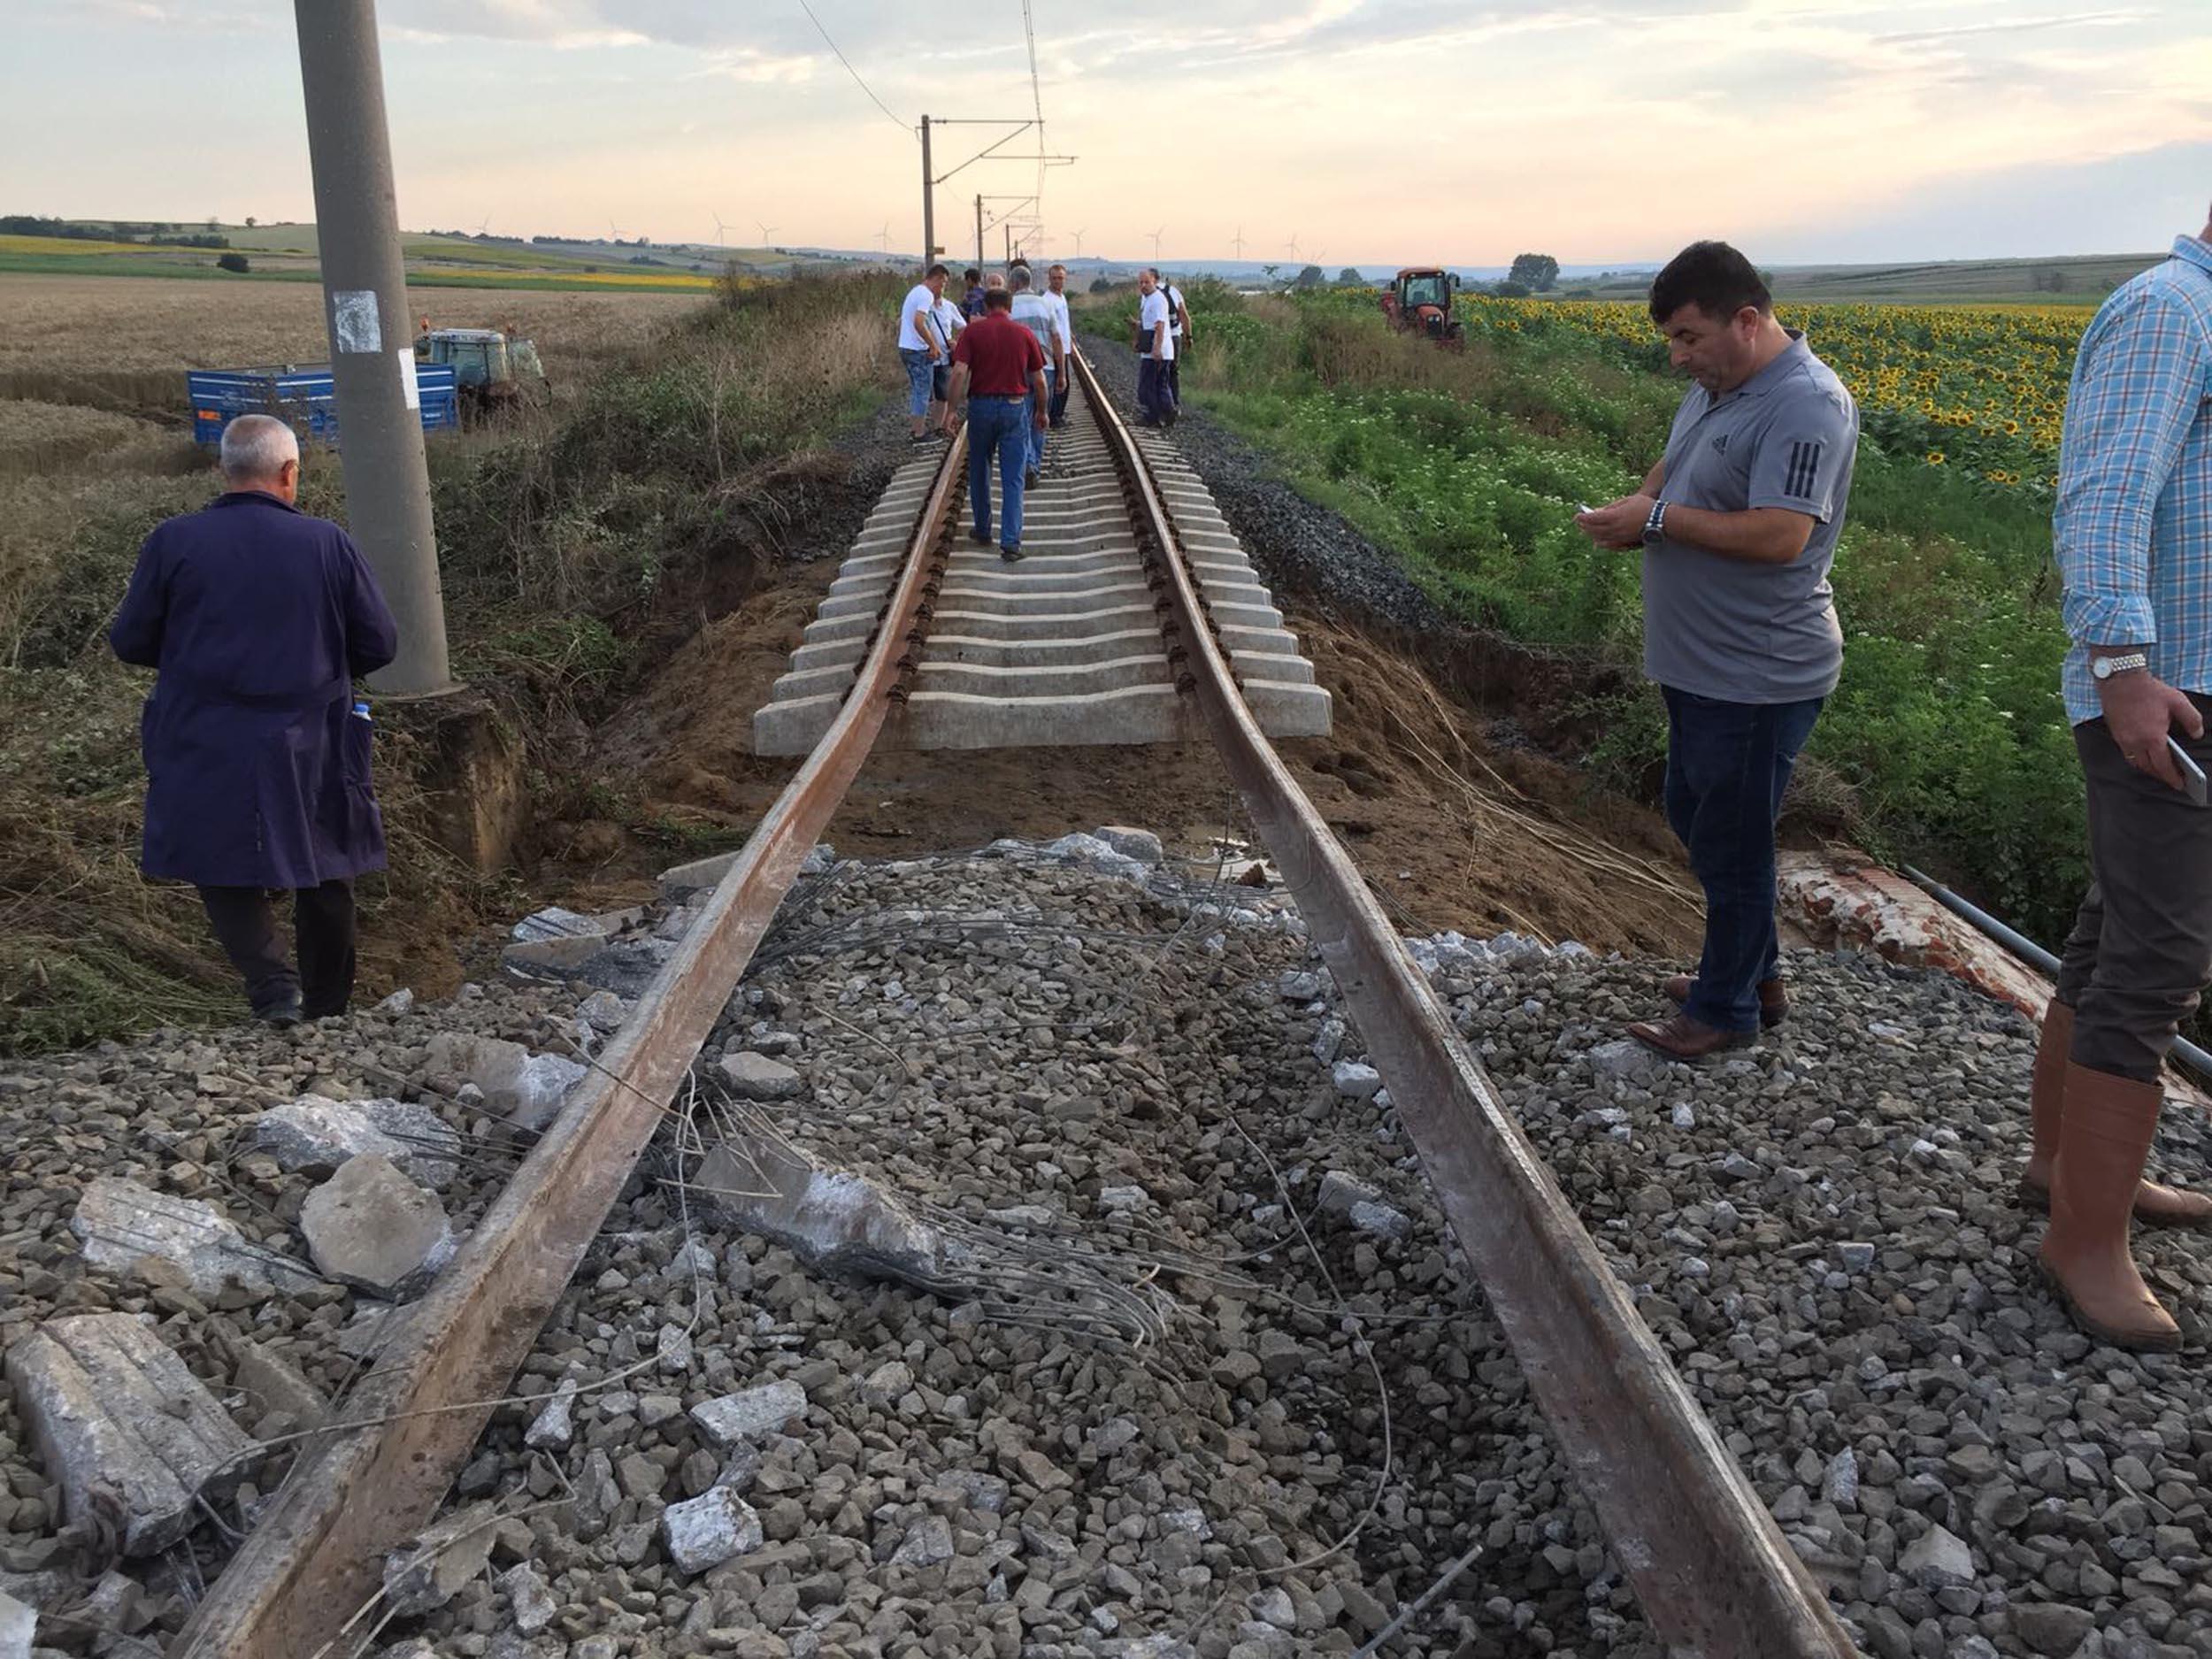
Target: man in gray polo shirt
[{"x": 1738, "y": 524}]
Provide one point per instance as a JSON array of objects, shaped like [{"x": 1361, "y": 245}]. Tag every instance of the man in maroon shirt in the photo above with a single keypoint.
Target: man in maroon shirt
[{"x": 998, "y": 363}]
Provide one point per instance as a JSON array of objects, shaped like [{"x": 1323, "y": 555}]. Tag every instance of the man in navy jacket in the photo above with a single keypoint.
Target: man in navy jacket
[{"x": 259, "y": 619}]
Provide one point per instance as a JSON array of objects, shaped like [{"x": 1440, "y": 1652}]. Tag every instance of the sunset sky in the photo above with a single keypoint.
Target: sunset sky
[{"x": 1373, "y": 131}]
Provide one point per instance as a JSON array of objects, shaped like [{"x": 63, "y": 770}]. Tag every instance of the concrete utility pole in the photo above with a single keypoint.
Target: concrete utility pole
[
  {"x": 929, "y": 203},
  {"x": 371, "y": 346},
  {"x": 979, "y": 232}
]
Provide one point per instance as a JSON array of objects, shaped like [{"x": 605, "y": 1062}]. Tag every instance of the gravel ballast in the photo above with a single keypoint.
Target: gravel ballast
[{"x": 1189, "y": 1259}]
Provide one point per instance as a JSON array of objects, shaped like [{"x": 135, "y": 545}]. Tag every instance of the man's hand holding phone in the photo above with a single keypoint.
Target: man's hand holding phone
[
  {"x": 1619, "y": 524},
  {"x": 2142, "y": 712}
]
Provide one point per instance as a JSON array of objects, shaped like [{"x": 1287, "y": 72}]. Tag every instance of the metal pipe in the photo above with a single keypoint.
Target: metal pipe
[
  {"x": 2021, "y": 946},
  {"x": 372, "y": 345}
]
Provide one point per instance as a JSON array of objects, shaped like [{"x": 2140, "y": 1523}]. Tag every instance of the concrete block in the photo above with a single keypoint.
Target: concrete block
[
  {"x": 124, "y": 1226},
  {"x": 370, "y": 1226},
  {"x": 131, "y": 1436}
]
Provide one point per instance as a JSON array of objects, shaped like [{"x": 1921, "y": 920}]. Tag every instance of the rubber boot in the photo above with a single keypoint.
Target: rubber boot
[
  {"x": 2103, "y": 1137},
  {"x": 2156, "y": 1204}
]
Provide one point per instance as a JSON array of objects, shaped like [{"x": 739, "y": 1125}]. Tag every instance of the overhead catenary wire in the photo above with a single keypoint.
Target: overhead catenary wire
[{"x": 906, "y": 126}]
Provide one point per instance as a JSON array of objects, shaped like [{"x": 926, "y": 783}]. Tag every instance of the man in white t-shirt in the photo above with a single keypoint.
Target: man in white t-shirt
[
  {"x": 1056, "y": 297},
  {"x": 1155, "y": 395},
  {"x": 1179, "y": 330},
  {"x": 951, "y": 320},
  {"x": 922, "y": 346},
  {"x": 1033, "y": 313}
]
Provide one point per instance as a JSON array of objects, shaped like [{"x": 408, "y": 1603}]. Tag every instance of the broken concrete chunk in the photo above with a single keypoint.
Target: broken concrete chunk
[
  {"x": 710, "y": 1529},
  {"x": 432, "y": 1143},
  {"x": 131, "y": 1435},
  {"x": 603, "y": 1010},
  {"x": 529, "y": 1596},
  {"x": 755, "y": 1077},
  {"x": 1141, "y": 844},
  {"x": 123, "y": 1223},
  {"x": 833, "y": 1220},
  {"x": 554, "y": 922},
  {"x": 371, "y": 1227},
  {"x": 400, "y": 1002},
  {"x": 1354, "y": 1080},
  {"x": 272, "y": 1383},
  {"x": 752, "y": 1414},
  {"x": 428, "y": 1572},
  {"x": 312, "y": 1135},
  {"x": 525, "y": 1088}
]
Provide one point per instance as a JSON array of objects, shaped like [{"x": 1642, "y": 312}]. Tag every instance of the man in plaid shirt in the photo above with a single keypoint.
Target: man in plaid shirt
[{"x": 2133, "y": 536}]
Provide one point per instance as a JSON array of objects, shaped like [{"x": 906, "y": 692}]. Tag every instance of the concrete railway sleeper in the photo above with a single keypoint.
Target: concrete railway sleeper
[{"x": 1713, "y": 1574}]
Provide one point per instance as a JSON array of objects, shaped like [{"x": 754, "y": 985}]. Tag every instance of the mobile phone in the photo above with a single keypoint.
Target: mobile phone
[
  {"x": 2192, "y": 774},
  {"x": 1583, "y": 507}
]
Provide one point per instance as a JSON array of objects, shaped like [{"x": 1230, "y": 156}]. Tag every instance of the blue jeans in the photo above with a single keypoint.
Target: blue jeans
[
  {"x": 1036, "y": 432},
  {"x": 998, "y": 427},
  {"x": 918, "y": 380},
  {"x": 1727, "y": 765}
]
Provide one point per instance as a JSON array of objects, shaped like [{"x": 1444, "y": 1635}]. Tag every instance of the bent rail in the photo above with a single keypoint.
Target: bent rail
[
  {"x": 389, "y": 1459},
  {"x": 1710, "y": 1567}
]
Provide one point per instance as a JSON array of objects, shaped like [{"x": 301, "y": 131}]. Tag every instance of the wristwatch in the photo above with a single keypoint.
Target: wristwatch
[
  {"x": 1655, "y": 527},
  {"x": 2106, "y": 667}
]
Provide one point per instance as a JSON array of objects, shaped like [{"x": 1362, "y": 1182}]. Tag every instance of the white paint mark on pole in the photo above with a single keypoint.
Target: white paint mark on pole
[
  {"x": 409, "y": 388},
  {"x": 354, "y": 321}
]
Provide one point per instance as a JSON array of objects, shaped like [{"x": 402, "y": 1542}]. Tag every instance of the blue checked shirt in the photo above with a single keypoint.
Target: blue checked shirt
[{"x": 2133, "y": 527}]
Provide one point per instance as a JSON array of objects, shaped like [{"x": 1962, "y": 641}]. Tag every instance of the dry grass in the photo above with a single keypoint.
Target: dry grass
[
  {"x": 130, "y": 338},
  {"x": 70, "y": 438}
]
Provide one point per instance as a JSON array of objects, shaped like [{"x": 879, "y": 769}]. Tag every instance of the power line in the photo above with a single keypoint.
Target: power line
[
  {"x": 849, "y": 70},
  {"x": 1037, "y": 102}
]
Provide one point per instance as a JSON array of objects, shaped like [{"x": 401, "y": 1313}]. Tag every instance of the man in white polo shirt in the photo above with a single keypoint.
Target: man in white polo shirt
[
  {"x": 1155, "y": 398},
  {"x": 921, "y": 347},
  {"x": 1056, "y": 297}
]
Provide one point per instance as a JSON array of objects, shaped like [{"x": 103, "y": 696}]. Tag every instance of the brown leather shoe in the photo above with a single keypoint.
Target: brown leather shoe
[
  {"x": 1774, "y": 998},
  {"x": 1682, "y": 1038},
  {"x": 2156, "y": 1204},
  {"x": 2102, "y": 1140}
]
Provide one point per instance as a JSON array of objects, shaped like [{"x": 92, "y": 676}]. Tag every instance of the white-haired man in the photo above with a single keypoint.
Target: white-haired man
[{"x": 258, "y": 618}]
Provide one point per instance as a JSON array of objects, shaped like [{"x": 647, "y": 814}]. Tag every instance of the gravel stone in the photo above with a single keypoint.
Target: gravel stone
[
  {"x": 710, "y": 1529},
  {"x": 757, "y": 1078},
  {"x": 751, "y": 1414}
]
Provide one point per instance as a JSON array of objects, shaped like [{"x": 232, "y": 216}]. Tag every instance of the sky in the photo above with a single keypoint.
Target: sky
[{"x": 1371, "y": 132}]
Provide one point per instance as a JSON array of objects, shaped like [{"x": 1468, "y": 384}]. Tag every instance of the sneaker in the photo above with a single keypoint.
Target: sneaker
[
  {"x": 1011, "y": 555},
  {"x": 1029, "y": 479},
  {"x": 283, "y": 1015},
  {"x": 982, "y": 538}
]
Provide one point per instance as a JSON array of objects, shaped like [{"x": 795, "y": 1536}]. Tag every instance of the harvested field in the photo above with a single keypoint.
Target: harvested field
[{"x": 118, "y": 343}]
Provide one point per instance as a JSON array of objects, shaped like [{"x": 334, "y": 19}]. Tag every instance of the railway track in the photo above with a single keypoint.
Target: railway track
[{"x": 1711, "y": 1570}]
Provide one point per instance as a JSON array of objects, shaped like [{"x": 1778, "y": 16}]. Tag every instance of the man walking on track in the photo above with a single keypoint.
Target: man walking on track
[
  {"x": 1738, "y": 524},
  {"x": 259, "y": 619},
  {"x": 921, "y": 347},
  {"x": 1156, "y": 347},
  {"x": 1057, "y": 296},
  {"x": 1033, "y": 313},
  {"x": 2134, "y": 535},
  {"x": 1006, "y": 367}
]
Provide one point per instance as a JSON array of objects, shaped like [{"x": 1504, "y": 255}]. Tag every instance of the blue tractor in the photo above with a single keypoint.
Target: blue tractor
[{"x": 495, "y": 372}]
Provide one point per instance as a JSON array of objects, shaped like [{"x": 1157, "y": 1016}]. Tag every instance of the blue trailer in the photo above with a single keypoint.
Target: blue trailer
[{"x": 304, "y": 396}]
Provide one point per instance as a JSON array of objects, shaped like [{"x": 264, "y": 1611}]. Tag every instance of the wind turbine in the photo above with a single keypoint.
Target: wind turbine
[
  {"x": 484, "y": 228},
  {"x": 720, "y": 229},
  {"x": 766, "y": 231},
  {"x": 1236, "y": 242},
  {"x": 613, "y": 234},
  {"x": 883, "y": 238},
  {"x": 1291, "y": 247},
  {"x": 1078, "y": 243},
  {"x": 1155, "y": 235}
]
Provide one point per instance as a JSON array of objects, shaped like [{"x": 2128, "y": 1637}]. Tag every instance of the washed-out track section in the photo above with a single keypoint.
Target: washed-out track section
[
  {"x": 1711, "y": 1570},
  {"x": 1073, "y": 644}
]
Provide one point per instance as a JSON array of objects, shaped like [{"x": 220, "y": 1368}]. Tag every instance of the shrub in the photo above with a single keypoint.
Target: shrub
[{"x": 233, "y": 261}]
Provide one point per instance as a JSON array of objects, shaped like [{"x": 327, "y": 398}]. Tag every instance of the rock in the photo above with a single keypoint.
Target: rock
[
  {"x": 565, "y": 957},
  {"x": 529, "y": 1597},
  {"x": 123, "y": 1223},
  {"x": 525, "y": 1088},
  {"x": 836, "y": 1222},
  {"x": 1839, "y": 1483},
  {"x": 604, "y": 1011},
  {"x": 755, "y": 1077},
  {"x": 1379, "y": 1221},
  {"x": 431, "y": 1143},
  {"x": 1623, "y": 1059},
  {"x": 130, "y": 1435},
  {"x": 426, "y": 1572},
  {"x": 1342, "y": 1193},
  {"x": 1856, "y": 1258},
  {"x": 2054, "y": 1628},
  {"x": 371, "y": 1227},
  {"x": 313, "y": 1136},
  {"x": 709, "y": 1529},
  {"x": 274, "y": 1384},
  {"x": 1298, "y": 986},
  {"x": 554, "y": 1426},
  {"x": 1354, "y": 1080},
  {"x": 1937, "y": 1558},
  {"x": 1140, "y": 844},
  {"x": 17, "y": 1626},
  {"x": 752, "y": 1414},
  {"x": 554, "y": 922},
  {"x": 400, "y": 1002},
  {"x": 927, "y": 1543}
]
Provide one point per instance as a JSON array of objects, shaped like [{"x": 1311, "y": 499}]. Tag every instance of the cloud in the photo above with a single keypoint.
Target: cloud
[{"x": 2015, "y": 26}]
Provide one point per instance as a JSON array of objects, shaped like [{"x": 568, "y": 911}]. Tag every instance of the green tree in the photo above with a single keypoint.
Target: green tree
[
  {"x": 1311, "y": 277},
  {"x": 251, "y": 221},
  {"x": 1536, "y": 272},
  {"x": 1350, "y": 278},
  {"x": 234, "y": 262},
  {"x": 1508, "y": 289}
]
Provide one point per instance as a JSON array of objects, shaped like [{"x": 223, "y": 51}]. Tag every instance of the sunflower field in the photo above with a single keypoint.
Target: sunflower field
[{"x": 1946, "y": 741}]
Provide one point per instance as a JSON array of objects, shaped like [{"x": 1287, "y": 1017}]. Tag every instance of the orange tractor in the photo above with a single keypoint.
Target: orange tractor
[{"x": 1420, "y": 301}]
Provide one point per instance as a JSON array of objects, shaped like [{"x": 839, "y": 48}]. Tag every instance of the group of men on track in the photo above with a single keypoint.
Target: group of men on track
[{"x": 259, "y": 619}]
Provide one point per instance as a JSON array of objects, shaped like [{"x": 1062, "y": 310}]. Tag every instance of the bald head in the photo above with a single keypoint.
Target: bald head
[{"x": 260, "y": 452}]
